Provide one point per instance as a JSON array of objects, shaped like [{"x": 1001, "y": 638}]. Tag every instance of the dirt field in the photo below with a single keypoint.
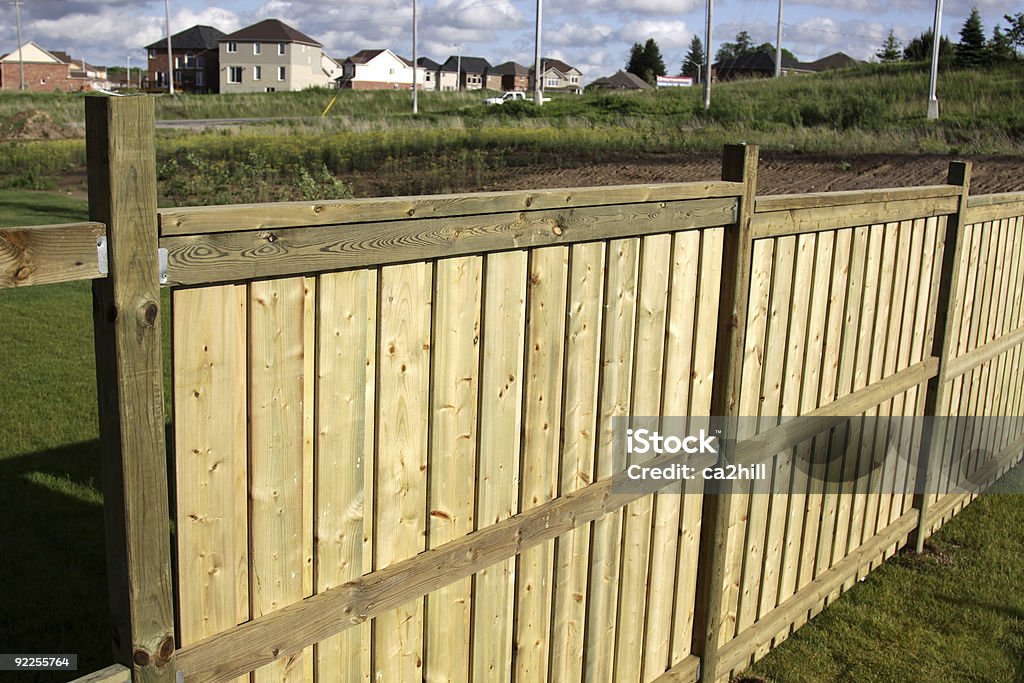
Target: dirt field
[{"x": 777, "y": 174}]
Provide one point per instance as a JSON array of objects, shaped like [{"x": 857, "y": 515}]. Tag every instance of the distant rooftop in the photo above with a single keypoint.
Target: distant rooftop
[
  {"x": 272, "y": 31},
  {"x": 198, "y": 37}
]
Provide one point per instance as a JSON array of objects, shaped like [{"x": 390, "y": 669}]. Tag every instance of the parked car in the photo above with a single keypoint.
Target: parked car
[{"x": 511, "y": 96}]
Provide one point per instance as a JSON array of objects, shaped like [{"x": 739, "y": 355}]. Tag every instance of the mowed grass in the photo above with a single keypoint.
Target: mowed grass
[
  {"x": 956, "y": 614},
  {"x": 53, "y": 587}
]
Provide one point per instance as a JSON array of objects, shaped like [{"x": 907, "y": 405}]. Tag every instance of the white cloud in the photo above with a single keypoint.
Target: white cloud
[
  {"x": 578, "y": 35},
  {"x": 670, "y": 35}
]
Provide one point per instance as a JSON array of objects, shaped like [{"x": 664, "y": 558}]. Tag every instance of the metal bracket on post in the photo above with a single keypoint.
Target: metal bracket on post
[{"x": 103, "y": 264}]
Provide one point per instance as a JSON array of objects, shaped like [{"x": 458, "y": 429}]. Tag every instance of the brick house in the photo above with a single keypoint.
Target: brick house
[
  {"x": 511, "y": 76},
  {"x": 44, "y": 71},
  {"x": 196, "y": 61}
]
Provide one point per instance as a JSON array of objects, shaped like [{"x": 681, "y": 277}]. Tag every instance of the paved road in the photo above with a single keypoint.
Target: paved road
[{"x": 195, "y": 124}]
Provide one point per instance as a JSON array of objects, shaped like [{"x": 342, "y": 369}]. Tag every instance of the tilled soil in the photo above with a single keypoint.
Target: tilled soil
[{"x": 778, "y": 173}]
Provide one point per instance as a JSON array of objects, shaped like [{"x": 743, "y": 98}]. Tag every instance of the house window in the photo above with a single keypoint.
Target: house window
[
  {"x": 190, "y": 61},
  {"x": 257, "y": 72},
  {"x": 552, "y": 83},
  {"x": 177, "y": 62},
  {"x": 200, "y": 78},
  {"x": 280, "y": 48},
  {"x": 280, "y": 73},
  {"x": 200, "y": 62},
  {"x": 426, "y": 77},
  {"x": 575, "y": 79},
  {"x": 232, "y": 46},
  {"x": 152, "y": 54},
  {"x": 268, "y": 89},
  {"x": 257, "y": 48},
  {"x": 234, "y": 74}
]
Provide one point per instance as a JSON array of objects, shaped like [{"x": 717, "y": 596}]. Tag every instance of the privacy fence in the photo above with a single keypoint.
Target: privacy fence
[{"x": 393, "y": 446}]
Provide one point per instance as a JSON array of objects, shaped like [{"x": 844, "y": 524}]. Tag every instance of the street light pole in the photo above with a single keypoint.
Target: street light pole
[
  {"x": 415, "y": 102},
  {"x": 707, "y": 58},
  {"x": 538, "y": 93},
  {"x": 170, "y": 55},
  {"x": 933, "y": 100},
  {"x": 128, "y": 68},
  {"x": 778, "y": 45},
  {"x": 21, "y": 58}
]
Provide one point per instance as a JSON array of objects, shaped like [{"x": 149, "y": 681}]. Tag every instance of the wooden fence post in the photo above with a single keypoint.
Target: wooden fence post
[
  {"x": 936, "y": 392},
  {"x": 129, "y": 377},
  {"x": 739, "y": 164}
]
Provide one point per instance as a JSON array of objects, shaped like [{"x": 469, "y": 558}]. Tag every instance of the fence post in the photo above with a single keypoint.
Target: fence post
[
  {"x": 935, "y": 394},
  {"x": 739, "y": 164},
  {"x": 129, "y": 377}
]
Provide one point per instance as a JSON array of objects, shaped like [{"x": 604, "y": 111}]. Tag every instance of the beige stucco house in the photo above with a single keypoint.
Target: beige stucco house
[{"x": 269, "y": 56}]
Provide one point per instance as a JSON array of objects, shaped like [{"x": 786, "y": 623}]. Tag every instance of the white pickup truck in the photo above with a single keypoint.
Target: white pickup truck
[{"x": 513, "y": 95}]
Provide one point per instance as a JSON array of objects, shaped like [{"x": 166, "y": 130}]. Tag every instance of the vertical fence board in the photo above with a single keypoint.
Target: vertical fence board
[
  {"x": 277, "y": 454},
  {"x": 401, "y": 456},
  {"x": 579, "y": 430},
  {"x": 452, "y": 465},
  {"x": 545, "y": 343},
  {"x": 346, "y": 353},
  {"x": 501, "y": 405},
  {"x": 622, "y": 270},
  {"x": 211, "y": 459}
]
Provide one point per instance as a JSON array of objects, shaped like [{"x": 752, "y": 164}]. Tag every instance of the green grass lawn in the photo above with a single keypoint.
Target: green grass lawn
[{"x": 956, "y": 614}]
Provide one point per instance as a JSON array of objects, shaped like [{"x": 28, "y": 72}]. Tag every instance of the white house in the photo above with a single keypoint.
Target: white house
[{"x": 382, "y": 70}]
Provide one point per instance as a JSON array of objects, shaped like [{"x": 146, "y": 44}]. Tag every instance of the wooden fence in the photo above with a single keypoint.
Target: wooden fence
[{"x": 393, "y": 447}]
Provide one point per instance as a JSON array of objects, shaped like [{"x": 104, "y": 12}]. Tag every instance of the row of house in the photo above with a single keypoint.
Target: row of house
[
  {"x": 271, "y": 55},
  {"x": 47, "y": 71}
]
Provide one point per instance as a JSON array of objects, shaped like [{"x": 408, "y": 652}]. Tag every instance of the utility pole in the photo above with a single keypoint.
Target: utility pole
[
  {"x": 778, "y": 45},
  {"x": 415, "y": 102},
  {"x": 128, "y": 68},
  {"x": 707, "y": 58},
  {"x": 538, "y": 94},
  {"x": 458, "y": 69},
  {"x": 21, "y": 58},
  {"x": 170, "y": 55},
  {"x": 933, "y": 100}
]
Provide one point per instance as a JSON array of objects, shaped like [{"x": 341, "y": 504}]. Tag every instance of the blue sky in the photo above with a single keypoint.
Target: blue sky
[{"x": 594, "y": 35}]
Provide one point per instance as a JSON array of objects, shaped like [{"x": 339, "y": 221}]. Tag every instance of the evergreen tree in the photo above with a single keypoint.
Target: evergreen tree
[
  {"x": 637, "y": 63},
  {"x": 653, "y": 60},
  {"x": 742, "y": 47},
  {"x": 972, "y": 51},
  {"x": 919, "y": 49},
  {"x": 1015, "y": 33},
  {"x": 891, "y": 50},
  {"x": 693, "y": 64},
  {"x": 1000, "y": 48}
]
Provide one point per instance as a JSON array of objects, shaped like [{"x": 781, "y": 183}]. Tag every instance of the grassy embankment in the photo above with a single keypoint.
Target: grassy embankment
[{"x": 872, "y": 109}]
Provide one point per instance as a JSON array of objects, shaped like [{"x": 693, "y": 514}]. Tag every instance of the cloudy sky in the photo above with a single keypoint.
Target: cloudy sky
[{"x": 594, "y": 35}]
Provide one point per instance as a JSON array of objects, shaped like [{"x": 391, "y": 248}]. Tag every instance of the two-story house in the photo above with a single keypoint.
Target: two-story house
[
  {"x": 383, "y": 70},
  {"x": 557, "y": 76},
  {"x": 196, "y": 60},
  {"x": 271, "y": 55},
  {"x": 472, "y": 73},
  {"x": 511, "y": 76}
]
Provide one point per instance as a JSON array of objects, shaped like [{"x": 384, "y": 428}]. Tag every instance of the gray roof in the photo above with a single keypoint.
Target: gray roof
[
  {"x": 198, "y": 37},
  {"x": 510, "y": 69},
  {"x": 428, "y": 63},
  {"x": 622, "y": 80},
  {"x": 473, "y": 65},
  {"x": 837, "y": 60},
  {"x": 271, "y": 30}
]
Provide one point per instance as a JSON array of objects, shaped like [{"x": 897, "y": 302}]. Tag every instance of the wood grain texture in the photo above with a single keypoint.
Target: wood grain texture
[
  {"x": 579, "y": 440},
  {"x": 129, "y": 376},
  {"x": 211, "y": 452},
  {"x": 210, "y": 219},
  {"x": 622, "y": 272},
  {"x": 542, "y": 408},
  {"x": 817, "y": 200},
  {"x": 452, "y": 465},
  {"x": 346, "y": 354},
  {"x": 44, "y": 254},
  {"x": 637, "y": 593},
  {"x": 400, "y": 526},
  {"x": 498, "y": 473},
  {"x": 277, "y": 344},
  {"x": 801, "y": 221},
  {"x": 202, "y": 259}
]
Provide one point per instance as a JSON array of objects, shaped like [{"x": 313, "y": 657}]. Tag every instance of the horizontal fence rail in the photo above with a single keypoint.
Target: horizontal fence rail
[{"x": 395, "y": 455}]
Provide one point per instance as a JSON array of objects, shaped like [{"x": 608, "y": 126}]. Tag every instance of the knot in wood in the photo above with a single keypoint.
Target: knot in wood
[
  {"x": 319, "y": 208},
  {"x": 166, "y": 649},
  {"x": 141, "y": 658},
  {"x": 22, "y": 273},
  {"x": 149, "y": 313}
]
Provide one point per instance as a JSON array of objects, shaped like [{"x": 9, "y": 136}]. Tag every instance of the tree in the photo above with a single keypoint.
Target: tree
[
  {"x": 1000, "y": 48},
  {"x": 919, "y": 49},
  {"x": 972, "y": 50},
  {"x": 1015, "y": 33},
  {"x": 652, "y": 56},
  {"x": 891, "y": 50},
  {"x": 645, "y": 61},
  {"x": 741, "y": 48},
  {"x": 693, "y": 64}
]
